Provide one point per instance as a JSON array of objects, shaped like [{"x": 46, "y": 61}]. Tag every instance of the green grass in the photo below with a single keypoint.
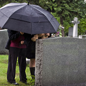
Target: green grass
[{"x": 3, "y": 73}]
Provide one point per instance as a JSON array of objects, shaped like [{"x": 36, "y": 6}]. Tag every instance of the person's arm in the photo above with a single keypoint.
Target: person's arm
[
  {"x": 34, "y": 38},
  {"x": 27, "y": 38},
  {"x": 44, "y": 35}
]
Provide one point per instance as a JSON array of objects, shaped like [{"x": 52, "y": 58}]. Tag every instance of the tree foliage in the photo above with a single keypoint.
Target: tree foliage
[
  {"x": 65, "y": 11},
  {"x": 82, "y": 26}
]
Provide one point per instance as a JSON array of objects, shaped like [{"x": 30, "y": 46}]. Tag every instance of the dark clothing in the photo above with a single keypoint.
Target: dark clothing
[
  {"x": 16, "y": 42},
  {"x": 13, "y": 53},
  {"x": 14, "y": 35},
  {"x": 31, "y": 49},
  {"x": 32, "y": 71}
]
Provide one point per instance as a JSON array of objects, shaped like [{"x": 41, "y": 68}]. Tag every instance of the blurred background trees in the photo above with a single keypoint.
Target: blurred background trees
[{"x": 63, "y": 10}]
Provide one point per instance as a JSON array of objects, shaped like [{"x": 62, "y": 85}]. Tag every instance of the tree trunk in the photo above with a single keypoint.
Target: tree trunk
[{"x": 61, "y": 22}]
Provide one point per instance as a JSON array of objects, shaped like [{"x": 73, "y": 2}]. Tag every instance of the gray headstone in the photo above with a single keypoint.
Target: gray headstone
[
  {"x": 60, "y": 62},
  {"x": 75, "y": 27},
  {"x": 3, "y": 41},
  {"x": 70, "y": 32}
]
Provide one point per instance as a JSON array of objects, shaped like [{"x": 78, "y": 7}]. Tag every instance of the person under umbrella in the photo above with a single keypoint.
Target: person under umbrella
[
  {"x": 31, "y": 50},
  {"x": 17, "y": 48}
]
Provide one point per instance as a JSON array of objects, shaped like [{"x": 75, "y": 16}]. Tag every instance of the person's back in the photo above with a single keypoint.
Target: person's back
[
  {"x": 31, "y": 50},
  {"x": 17, "y": 48}
]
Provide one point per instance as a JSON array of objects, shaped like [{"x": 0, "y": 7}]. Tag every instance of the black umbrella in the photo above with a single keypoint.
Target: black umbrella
[{"x": 27, "y": 18}]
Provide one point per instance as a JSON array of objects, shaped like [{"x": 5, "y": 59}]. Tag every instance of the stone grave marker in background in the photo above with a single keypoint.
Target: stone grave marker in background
[
  {"x": 70, "y": 32},
  {"x": 75, "y": 27},
  {"x": 3, "y": 41},
  {"x": 60, "y": 62}
]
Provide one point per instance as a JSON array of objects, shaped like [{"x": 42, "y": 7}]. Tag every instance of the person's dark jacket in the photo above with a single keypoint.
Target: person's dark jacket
[
  {"x": 13, "y": 35},
  {"x": 31, "y": 49}
]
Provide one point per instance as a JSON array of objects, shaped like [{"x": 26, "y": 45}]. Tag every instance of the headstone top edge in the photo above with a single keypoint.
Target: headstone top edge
[{"x": 53, "y": 38}]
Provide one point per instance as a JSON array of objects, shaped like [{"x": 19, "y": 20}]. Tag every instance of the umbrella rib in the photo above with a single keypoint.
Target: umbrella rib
[
  {"x": 43, "y": 14},
  {"x": 18, "y": 19},
  {"x": 4, "y": 14}
]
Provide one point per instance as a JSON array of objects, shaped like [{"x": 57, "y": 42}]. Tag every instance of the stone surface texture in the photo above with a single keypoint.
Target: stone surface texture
[
  {"x": 3, "y": 41},
  {"x": 60, "y": 62}
]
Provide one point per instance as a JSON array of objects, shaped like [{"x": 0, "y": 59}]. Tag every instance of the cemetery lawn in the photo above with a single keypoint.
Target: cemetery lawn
[{"x": 3, "y": 73}]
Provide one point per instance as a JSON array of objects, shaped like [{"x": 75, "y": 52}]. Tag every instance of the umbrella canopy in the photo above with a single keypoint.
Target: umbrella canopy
[{"x": 27, "y": 18}]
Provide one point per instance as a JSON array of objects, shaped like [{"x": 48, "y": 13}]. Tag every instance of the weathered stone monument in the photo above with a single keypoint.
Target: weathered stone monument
[
  {"x": 3, "y": 41},
  {"x": 70, "y": 32},
  {"x": 60, "y": 62},
  {"x": 75, "y": 27}
]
